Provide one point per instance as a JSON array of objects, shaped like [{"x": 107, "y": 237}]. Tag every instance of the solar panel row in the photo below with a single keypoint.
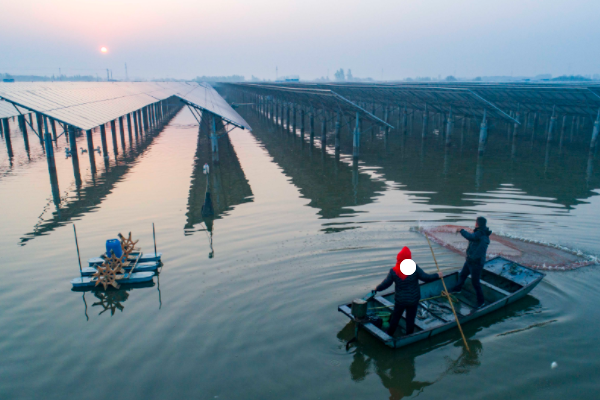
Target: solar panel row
[
  {"x": 443, "y": 100},
  {"x": 86, "y": 105},
  {"x": 469, "y": 98}
]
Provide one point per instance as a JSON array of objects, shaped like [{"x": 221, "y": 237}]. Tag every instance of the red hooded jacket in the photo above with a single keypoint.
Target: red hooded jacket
[{"x": 404, "y": 254}]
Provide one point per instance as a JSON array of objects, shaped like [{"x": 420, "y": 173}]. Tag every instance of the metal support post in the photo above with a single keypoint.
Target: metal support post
[
  {"x": 562, "y": 131},
  {"x": 135, "y": 125},
  {"x": 23, "y": 126},
  {"x": 145, "y": 119},
  {"x": 302, "y": 122},
  {"x": 51, "y": 166},
  {"x": 294, "y": 118},
  {"x": 91, "y": 151},
  {"x": 6, "y": 129},
  {"x": 356, "y": 139},
  {"x": 53, "y": 126},
  {"x": 40, "y": 126},
  {"x": 122, "y": 131},
  {"x": 595, "y": 132},
  {"x": 214, "y": 141},
  {"x": 323, "y": 132},
  {"x": 129, "y": 130},
  {"x": 337, "y": 132},
  {"x": 425, "y": 117},
  {"x": 113, "y": 130},
  {"x": 312, "y": 126},
  {"x": 551, "y": 126},
  {"x": 449, "y": 124},
  {"x": 103, "y": 138},
  {"x": 74, "y": 155},
  {"x": 483, "y": 134}
]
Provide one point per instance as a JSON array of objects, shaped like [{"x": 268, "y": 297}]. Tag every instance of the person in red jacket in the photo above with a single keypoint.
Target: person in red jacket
[{"x": 408, "y": 291}]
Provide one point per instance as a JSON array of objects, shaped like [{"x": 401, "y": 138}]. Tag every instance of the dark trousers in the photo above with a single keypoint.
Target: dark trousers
[
  {"x": 411, "y": 314},
  {"x": 473, "y": 269}
]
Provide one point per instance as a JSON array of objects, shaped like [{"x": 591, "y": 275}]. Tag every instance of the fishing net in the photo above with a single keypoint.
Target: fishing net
[{"x": 534, "y": 255}]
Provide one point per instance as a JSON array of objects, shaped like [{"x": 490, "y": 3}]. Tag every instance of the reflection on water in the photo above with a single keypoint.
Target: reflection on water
[
  {"x": 111, "y": 299},
  {"x": 517, "y": 177},
  {"x": 214, "y": 194},
  {"x": 333, "y": 186},
  {"x": 447, "y": 174},
  {"x": 228, "y": 184},
  {"x": 84, "y": 198}
]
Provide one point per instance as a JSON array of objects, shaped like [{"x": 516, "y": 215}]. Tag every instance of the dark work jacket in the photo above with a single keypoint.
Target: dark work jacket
[
  {"x": 479, "y": 241},
  {"x": 408, "y": 291}
]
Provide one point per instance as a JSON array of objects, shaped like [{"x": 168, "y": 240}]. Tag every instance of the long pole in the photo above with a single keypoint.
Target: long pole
[
  {"x": 448, "y": 296},
  {"x": 77, "y": 245},
  {"x": 154, "y": 236}
]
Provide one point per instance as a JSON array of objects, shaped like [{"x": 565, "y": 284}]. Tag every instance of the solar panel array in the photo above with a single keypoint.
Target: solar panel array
[
  {"x": 310, "y": 97},
  {"x": 470, "y": 98},
  {"x": 86, "y": 105}
]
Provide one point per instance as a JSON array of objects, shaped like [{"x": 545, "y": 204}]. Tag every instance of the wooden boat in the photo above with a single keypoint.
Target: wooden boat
[
  {"x": 140, "y": 267},
  {"x": 125, "y": 279},
  {"x": 146, "y": 257},
  {"x": 503, "y": 282}
]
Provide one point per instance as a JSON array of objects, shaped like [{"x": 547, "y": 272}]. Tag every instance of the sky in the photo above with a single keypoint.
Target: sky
[{"x": 382, "y": 39}]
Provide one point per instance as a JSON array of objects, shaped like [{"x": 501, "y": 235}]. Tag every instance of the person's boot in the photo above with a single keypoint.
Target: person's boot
[{"x": 456, "y": 290}]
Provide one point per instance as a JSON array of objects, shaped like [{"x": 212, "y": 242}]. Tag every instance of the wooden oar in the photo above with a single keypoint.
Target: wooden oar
[{"x": 448, "y": 295}]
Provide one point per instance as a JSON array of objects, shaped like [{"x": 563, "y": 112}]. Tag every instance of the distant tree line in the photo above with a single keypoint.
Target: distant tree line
[
  {"x": 42, "y": 78},
  {"x": 230, "y": 78},
  {"x": 570, "y": 78}
]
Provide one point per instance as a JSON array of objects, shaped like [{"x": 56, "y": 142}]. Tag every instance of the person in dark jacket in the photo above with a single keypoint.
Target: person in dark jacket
[
  {"x": 479, "y": 241},
  {"x": 408, "y": 292}
]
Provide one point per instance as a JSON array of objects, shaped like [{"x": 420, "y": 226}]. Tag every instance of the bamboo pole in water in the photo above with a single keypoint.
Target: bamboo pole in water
[
  {"x": 77, "y": 245},
  {"x": 448, "y": 296},
  {"x": 154, "y": 236}
]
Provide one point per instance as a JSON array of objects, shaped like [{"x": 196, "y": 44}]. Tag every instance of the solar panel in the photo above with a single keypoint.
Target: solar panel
[
  {"x": 86, "y": 105},
  {"x": 205, "y": 97},
  {"x": 8, "y": 110}
]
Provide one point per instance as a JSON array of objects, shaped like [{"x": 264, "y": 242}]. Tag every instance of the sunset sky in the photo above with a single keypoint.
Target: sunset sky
[{"x": 184, "y": 38}]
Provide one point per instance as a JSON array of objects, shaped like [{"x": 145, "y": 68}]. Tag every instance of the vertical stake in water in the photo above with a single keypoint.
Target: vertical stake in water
[
  {"x": 154, "y": 236},
  {"x": 77, "y": 245}
]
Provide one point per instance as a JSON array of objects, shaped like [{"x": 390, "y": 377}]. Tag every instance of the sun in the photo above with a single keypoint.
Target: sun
[{"x": 104, "y": 50}]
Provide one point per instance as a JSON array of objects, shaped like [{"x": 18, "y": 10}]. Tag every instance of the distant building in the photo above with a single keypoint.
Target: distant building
[{"x": 289, "y": 78}]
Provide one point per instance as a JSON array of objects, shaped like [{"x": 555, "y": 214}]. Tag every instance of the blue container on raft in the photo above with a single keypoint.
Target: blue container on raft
[{"x": 114, "y": 245}]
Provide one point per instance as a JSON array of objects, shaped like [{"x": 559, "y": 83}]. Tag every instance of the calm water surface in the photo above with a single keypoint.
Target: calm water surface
[{"x": 246, "y": 304}]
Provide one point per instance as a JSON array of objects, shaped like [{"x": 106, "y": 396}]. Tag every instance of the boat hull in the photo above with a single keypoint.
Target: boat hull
[{"x": 511, "y": 282}]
